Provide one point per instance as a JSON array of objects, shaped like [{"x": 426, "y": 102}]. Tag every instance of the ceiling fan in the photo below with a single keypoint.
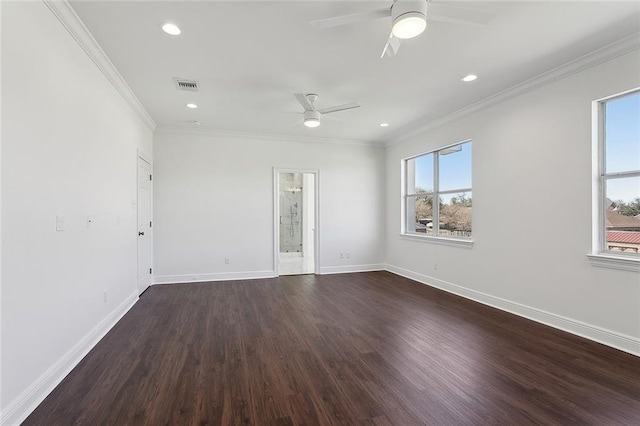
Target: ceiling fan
[
  {"x": 311, "y": 115},
  {"x": 409, "y": 19}
]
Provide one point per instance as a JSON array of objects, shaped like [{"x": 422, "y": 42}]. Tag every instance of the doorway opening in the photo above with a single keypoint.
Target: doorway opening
[{"x": 296, "y": 222}]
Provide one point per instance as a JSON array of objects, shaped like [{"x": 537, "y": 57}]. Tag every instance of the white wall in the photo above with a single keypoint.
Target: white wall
[
  {"x": 532, "y": 211},
  {"x": 213, "y": 198},
  {"x": 69, "y": 147}
]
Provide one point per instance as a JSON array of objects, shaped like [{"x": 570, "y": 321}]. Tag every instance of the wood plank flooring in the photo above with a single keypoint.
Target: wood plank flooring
[{"x": 370, "y": 348}]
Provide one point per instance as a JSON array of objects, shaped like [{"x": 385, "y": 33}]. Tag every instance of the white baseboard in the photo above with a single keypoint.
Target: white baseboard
[
  {"x": 217, "y": 276},
  {"x": 606, "y": 337},
  {"x": 254, "y": 275},
  {"x": 20, "y": 408},
  {"x": 326, "y": 270}
]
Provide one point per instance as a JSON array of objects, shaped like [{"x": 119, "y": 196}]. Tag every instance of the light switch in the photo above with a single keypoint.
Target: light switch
[{"x": 59, "y": 223}]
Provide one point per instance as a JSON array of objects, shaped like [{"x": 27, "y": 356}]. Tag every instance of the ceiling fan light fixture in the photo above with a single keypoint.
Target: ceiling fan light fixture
[
  {"x": 311, "y": 122},
  {"x": 409, "y": 18},
  {"x": 311, "y": 118},
  {"x": 409, "y": 25}
]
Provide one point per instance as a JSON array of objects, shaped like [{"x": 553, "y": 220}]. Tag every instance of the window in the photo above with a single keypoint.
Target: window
[
  {"x": 618, "y": 227},
  {"x": 443, "y": 175}
]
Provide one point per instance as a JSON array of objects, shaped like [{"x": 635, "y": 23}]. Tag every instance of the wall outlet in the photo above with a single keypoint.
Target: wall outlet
[
  {"x": 105, "y": 296},
  {"x": 341, "y": 255},
  {"x": 227, "y": 261}
]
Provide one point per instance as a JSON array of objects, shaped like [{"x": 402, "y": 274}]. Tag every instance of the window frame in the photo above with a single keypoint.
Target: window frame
[
  {"x": 600, "y": 255},
  {"x": 436, "y": 193}
]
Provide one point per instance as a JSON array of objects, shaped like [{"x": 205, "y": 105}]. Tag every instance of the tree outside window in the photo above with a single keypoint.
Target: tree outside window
[{"x": 443, "y": 175}]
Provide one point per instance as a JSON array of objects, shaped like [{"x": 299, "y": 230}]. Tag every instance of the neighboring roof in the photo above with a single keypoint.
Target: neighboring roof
[
  {"x": 630, "y": 237},
  {"x": 619, "y": 220}
]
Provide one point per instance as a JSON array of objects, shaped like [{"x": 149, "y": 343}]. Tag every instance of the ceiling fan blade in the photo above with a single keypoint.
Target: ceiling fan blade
[
  {"x": 308, "y": 106},
  {"x": 391, "y": 48},
  {"x": 350, "y": 19},
  {"x": 344, "y": 107},
  {"x": 457, "y": 15}
]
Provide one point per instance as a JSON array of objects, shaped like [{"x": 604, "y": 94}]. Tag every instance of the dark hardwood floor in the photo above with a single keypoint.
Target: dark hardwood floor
[{"x": 369, "y": 348}]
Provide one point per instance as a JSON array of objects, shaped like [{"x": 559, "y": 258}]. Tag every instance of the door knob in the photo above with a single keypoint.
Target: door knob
[{"x": 140, "y": 233}]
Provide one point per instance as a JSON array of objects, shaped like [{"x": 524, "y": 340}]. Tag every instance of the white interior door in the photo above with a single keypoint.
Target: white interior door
[
  {"x": 144, "y": 225},
  {"x": 308, "y": 223}
]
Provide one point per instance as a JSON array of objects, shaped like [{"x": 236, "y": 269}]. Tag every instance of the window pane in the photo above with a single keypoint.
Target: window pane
[
  {"x": 622, "y": 216},
  {"x": 455, "y": 215},
  {"x": 455, "y": 167},
  {"x": 622, "y": 134},
  {"x": 420, "y": 214},
  {"x": 420, "y": 174}
]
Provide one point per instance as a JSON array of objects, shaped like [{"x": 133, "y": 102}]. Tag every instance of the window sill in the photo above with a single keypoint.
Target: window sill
[
  {"x": 614, "y": 262},
  {"x": 455, "y": 242}
]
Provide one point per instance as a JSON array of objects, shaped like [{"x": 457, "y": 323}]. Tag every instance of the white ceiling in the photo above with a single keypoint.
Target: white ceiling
[{"x": 250, "y": 57}]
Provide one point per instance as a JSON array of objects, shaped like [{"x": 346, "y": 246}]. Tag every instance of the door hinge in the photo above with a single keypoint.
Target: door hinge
[
  {"x": 150, "y": 177},
  {"x": 150, "y": 270},
  {"x": 150, "y": 225}
]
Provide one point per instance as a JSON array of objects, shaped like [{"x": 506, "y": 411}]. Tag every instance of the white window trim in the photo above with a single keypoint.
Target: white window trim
[
  {"x": 450, "y": 241},
  {"x": 599, "y": 256},
  {"x": 614, "y": 262},
  {"x": 457, "y": 242}
]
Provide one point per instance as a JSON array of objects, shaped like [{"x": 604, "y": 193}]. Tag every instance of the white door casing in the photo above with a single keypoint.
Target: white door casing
[
  {"x": 144, "y": 225},
  {"x": 312, "y": 223}
]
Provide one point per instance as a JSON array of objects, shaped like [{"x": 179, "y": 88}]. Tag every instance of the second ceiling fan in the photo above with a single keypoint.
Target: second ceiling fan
[
  {"x": 311, "y": 116},
  {"x": 408, "y": 20}
]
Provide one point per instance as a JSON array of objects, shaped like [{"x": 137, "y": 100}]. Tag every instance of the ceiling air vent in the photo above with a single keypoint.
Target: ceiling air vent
[{"x": 183, "y": 84}]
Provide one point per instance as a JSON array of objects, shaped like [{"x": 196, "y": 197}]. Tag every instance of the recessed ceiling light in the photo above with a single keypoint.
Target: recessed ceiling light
[
  {"x": 384, "y": 124},
  {"x": 468, "y": 78},
  {"x": 171, "y": 29},
  {"x": 192, "y": 106}
]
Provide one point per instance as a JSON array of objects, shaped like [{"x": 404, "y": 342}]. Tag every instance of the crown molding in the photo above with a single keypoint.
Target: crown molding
[
  {"x": 599, "y": 56},
  {"x": 74, "y": 25},
  {"x": 179, "y": 130}
]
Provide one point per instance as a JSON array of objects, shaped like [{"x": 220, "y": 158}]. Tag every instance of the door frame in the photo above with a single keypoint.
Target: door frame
[
  {"x": 276, "y": 217},
  {"x": 140, "y": 155}
]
